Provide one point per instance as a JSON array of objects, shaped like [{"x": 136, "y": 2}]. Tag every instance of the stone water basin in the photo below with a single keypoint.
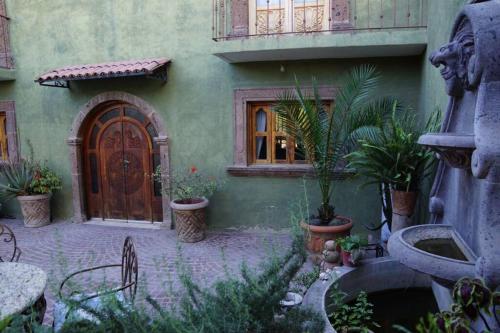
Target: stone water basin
[{"x": 433, "y": 249}]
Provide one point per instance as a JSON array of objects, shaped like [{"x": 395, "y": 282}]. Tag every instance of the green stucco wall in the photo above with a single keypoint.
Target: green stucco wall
[{"x": 196, "y": 104}]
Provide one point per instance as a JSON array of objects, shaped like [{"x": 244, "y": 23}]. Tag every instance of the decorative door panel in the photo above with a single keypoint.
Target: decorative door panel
[
  {"x": 119, "y": 158},
  {"x": 112, "y": 172},
  {"x": 137, "y": 172}
]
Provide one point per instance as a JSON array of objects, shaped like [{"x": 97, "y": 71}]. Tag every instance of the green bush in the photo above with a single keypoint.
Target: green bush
[{"x": 247, "y": 304}]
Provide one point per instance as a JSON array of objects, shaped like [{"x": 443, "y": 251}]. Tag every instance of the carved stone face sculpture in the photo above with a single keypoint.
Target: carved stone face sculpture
[{"x": 454, "y": 57}]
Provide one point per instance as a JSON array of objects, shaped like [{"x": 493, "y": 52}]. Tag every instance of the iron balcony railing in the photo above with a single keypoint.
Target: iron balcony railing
[
  {"x": 6, "y": 59},
  {"x": 247, "y": 18}
]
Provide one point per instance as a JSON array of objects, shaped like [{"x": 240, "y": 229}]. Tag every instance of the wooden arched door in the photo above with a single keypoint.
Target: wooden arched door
[{"x": 120, "y": 157}]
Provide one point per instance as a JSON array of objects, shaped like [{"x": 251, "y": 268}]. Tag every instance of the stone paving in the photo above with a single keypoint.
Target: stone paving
[{"x": 64, "y": 247}]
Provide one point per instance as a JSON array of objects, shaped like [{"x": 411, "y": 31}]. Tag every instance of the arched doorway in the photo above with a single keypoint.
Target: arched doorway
[
  {"x": 119, "y": 158},
  {"x": 116, "y": 142}
]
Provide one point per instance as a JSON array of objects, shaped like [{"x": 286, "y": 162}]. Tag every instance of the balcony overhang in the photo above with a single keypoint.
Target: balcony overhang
[{"x": 328, "y": 45}]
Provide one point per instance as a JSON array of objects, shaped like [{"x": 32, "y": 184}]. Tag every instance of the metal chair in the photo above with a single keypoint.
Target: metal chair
[
  {"x": 7, "y": 236},
  {"x": 128, "y": 288}
]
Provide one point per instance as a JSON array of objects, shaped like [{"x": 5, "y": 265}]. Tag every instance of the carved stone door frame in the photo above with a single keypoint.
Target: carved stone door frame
[{"x": 75, "y": 141}]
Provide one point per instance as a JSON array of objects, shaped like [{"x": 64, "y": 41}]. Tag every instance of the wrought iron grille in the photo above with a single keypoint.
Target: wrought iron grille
[
  {"x": 6, "y": 59},
  {"x": 247, "y": 18}
]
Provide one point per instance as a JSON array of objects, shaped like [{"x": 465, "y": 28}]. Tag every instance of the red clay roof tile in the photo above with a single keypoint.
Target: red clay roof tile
[{"x": 104, "y": 70}]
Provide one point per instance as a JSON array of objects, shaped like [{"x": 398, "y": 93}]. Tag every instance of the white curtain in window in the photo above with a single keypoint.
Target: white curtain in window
[{"x": 261, "y": 120}]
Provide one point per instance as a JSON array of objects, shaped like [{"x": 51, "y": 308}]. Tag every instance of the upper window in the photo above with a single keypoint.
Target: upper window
[
  {"x": 268, "y": 143},
  {"x": 279, "y": 16}
]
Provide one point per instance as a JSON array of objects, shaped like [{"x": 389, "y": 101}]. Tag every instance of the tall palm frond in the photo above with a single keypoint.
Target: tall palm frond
[{"x": 326, "y": 135}]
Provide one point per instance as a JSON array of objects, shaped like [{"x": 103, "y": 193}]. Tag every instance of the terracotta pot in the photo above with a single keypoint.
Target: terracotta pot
[
  {"x": 346, "y": 259},
  {"x": 190, "y": 219},
  {"x": 35, "y": 209},
  {"x": 403, "y": 203},
  {"x": 316, "y": 235}
]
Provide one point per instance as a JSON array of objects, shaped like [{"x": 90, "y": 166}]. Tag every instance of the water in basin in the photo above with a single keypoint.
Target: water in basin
[
  {"x": 402, "y": 307},
  {"x": 444, "y": 247}
]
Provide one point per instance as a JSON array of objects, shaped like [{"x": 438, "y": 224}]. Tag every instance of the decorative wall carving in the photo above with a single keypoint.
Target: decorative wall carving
[{"x": 455, "y": 57}]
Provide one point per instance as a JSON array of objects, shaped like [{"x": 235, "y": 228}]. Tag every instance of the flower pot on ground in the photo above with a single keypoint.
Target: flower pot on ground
[
  {"x": 32, "y": 184},
  {"x": 35, "y": 210},
  {"x": 317, "y": 235},
  {"x": 190, "y": 191},
  {"x": 352, "y": 249},
  {"x": 327, "y": 133},
  {"x": 190, "y": 219}
]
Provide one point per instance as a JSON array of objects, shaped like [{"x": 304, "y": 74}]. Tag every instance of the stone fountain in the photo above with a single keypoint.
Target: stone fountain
[{"x": 463, "y": 237}]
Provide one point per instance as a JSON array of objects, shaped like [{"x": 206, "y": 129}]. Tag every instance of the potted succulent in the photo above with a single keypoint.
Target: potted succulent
[
  {"x": 327, "y": 134},
  {"x": 190, "y": 191},
  {"x": 32, "y": 184},
  {"x": 352, "y": 249},
  {"x": 393, "y": 159}
]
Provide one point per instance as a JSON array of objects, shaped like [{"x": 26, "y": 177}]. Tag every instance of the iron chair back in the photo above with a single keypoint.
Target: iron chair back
[
  {"x": 7, "y": 236},
  {"x": 129, "y": 274}
]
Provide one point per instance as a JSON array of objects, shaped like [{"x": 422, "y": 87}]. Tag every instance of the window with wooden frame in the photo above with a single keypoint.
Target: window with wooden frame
[{"x": 267, "y": 141}]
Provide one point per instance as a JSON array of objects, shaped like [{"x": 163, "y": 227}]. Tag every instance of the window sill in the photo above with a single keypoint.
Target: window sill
[{"x": 284, "y": 170}]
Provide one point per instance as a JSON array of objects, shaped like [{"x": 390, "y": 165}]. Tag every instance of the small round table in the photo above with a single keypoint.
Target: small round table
[{"x": 21, "y": 290}]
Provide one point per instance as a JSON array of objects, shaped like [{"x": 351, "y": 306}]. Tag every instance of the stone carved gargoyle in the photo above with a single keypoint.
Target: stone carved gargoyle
[
  {"x": 471, "y": 70},
  {"x": 455, "y": 58}
]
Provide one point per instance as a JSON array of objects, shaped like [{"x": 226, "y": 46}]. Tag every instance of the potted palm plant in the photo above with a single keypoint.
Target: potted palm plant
[
  {"x": 32, "y": 184},
  {"x": 190, "y": 191},
  {"x": 393, "y": 159},
  {"x": 327, "y": 135}
]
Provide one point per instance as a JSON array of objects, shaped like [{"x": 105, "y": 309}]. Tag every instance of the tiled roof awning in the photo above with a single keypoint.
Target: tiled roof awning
[{"x": 151, "y": 68}]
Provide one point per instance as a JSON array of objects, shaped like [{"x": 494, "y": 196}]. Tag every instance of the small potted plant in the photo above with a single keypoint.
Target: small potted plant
[
  {"x": 190, "y": 191},
  {"x": 32, "y": 184},
  {"x": 352, "y": 250}
]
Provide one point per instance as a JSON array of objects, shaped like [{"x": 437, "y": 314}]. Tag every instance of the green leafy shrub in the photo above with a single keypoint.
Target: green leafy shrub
[
  {"x": 472, "y": 301},
  {"x": 27, "y": 178},
  {"x": 187, "y": 186},
  {"x": 351, "y": 243},
  {"x": 306, "y": 279},
  {"x": 392, "y": 157},
  {"x": 345, "y": 317},
  {"x": 248, "y": 304}
]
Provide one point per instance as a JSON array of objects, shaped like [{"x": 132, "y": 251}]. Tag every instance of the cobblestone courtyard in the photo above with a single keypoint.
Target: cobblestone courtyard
[{"x": 64, "y": 247}]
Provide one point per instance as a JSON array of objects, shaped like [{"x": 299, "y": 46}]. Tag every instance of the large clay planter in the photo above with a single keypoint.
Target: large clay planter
[
  {"x": 35, "y": 209},
  {"x": 190, "y": 219},
  {"x": 403, "y": 207},
  {"x": 316, "y": 235},
  {"x": 403, "y": 203}
]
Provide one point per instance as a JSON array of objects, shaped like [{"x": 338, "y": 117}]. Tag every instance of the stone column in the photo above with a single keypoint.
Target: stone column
[
  {"x": 75, "y": 154},
  {"x": 162, "y": 141},
  {"x": 239, "y": 17}
]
